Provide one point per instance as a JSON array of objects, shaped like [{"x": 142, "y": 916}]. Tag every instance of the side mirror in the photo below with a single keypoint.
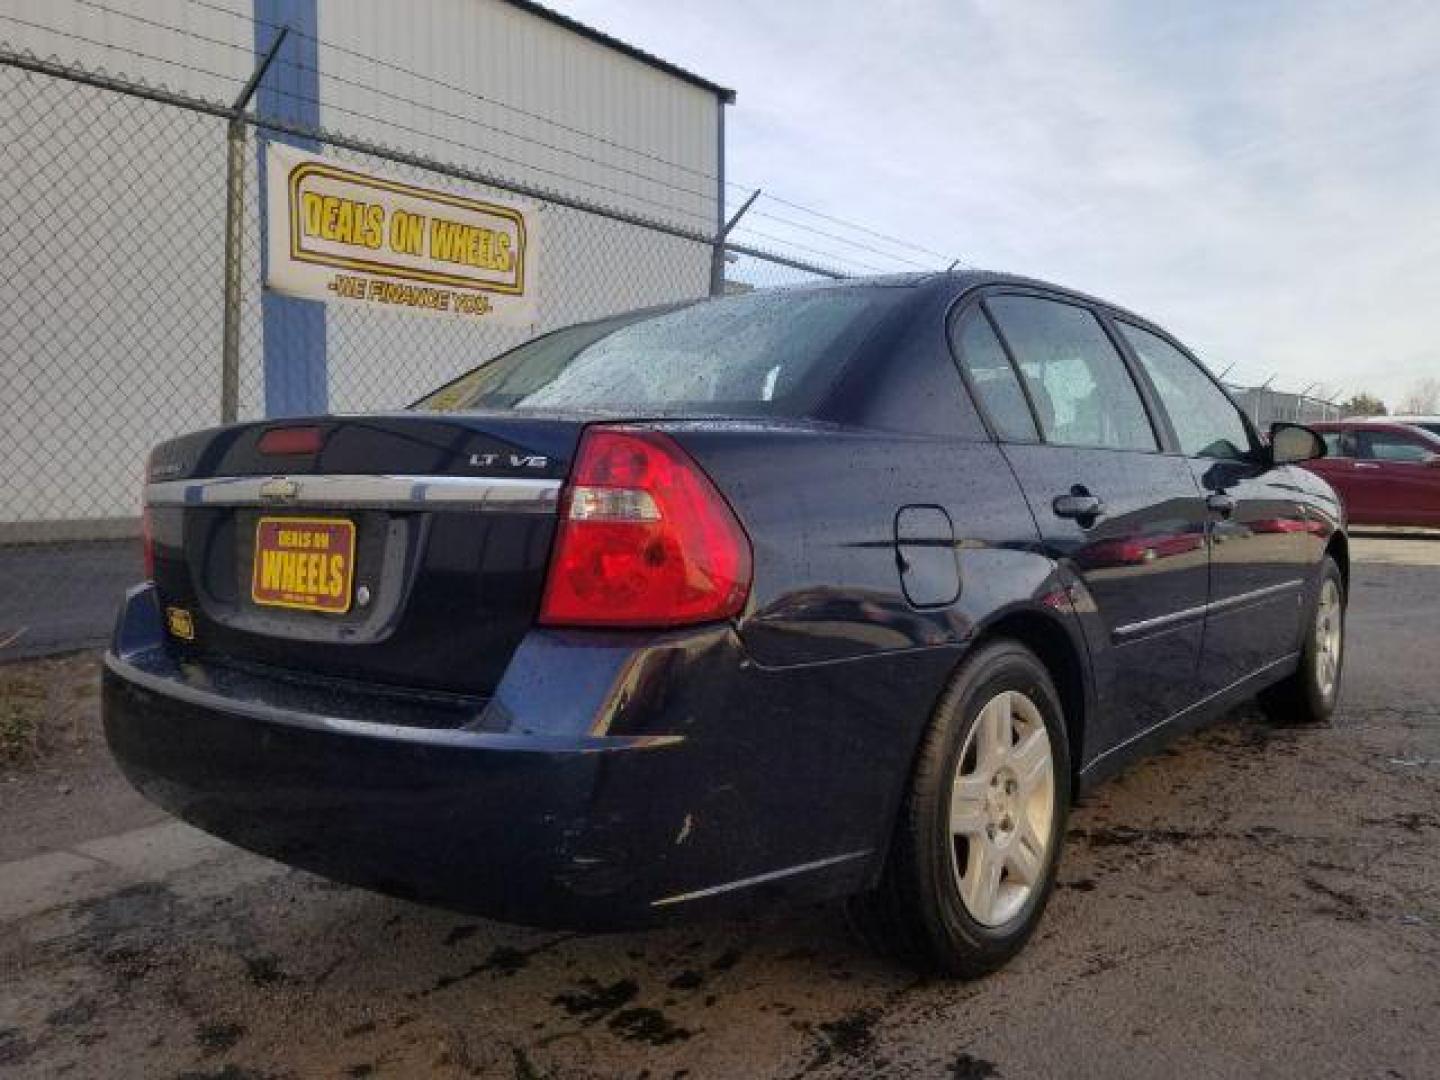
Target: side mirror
[{"x": 1293, "y": 443}]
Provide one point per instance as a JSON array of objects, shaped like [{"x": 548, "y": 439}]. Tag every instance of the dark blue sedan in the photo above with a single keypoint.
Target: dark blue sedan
[{"x": 844, "y": 591}]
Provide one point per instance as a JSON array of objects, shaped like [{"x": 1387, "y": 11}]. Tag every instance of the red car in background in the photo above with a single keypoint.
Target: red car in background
[{"x": 1387, "y": 472}]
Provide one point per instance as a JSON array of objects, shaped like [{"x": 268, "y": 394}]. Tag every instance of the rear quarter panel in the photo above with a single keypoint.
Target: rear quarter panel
[
  {"x": 820, "y": 504},
  {"x": 851, "y": 669}
]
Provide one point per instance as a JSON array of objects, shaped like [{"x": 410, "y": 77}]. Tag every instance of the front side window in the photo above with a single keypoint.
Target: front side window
[
  {"x": 1336, "y": 445},
  {"x": 763, "y": 353},
  {"x": 1079, "y": 384},
  {"x": 1385, "y": 446},
  {"x": 1205, "y": 421},
  {"x": 994, "y": 380}
]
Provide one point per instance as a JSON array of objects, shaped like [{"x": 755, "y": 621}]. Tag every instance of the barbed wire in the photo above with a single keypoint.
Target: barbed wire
[
  {"x": 811, "y": 230},
  {"x": 853, "y": 225},
  {"x": 841, "y": 261}
]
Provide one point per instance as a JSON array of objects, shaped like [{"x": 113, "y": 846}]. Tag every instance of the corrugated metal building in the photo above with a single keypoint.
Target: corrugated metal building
[
  {"x": 507, "y": 88},
  {"x": 1266, "y": 406}
]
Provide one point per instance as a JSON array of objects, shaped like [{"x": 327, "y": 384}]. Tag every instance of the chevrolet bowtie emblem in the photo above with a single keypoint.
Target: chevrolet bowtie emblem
[{"x": 279, "y": 490}]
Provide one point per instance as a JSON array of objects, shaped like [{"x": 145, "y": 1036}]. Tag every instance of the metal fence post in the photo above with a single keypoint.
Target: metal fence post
[
  {"x": 235, "y": 237},
  {"x": 717, "y": 256},
  {"x": 234, "y": 286}
]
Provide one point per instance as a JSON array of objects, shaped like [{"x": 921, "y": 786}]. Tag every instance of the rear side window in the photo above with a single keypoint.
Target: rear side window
[
  {"x": 762, "y": 353},
  {"x": 994, "y": 380},
  {"x": 1386, "y": 446},
  {"x": 1205, "y": 421},
  {"x": 1082, "y": 391}
]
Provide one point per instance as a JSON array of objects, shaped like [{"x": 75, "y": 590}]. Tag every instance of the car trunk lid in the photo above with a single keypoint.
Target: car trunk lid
[{"x": 405, "y": 549}]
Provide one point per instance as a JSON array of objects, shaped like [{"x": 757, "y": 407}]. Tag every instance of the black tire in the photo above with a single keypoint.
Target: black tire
[
  {"x": 1303, "y": 698},
  {"x": 917, "y": 912}
]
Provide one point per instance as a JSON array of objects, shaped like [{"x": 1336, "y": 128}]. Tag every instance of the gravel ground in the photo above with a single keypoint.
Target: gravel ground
[{"x": 1255, "y": 901}]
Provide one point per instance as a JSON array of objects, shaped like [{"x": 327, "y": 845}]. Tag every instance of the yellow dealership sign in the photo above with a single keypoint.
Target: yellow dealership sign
[{"x": 339, "y": 234}]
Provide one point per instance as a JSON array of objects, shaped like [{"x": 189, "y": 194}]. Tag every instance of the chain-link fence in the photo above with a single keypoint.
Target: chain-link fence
[
  {"x": 1267, "y": 406},
  {"x": 113, "y": 319}
]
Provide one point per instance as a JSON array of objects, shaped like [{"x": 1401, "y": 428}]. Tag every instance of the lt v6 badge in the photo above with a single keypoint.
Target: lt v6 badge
[{"x": 515, "y": 461}]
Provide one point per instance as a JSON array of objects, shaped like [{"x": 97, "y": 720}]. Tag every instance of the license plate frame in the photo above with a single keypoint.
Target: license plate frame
[{"x": 308, "y": 580}]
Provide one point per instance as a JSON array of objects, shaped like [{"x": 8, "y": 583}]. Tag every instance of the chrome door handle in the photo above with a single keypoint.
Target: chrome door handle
[
  {"x": 1077, "y": 505},
  {"x": 1365, "y": 465},
  {"x": 1221, "y": 504}
]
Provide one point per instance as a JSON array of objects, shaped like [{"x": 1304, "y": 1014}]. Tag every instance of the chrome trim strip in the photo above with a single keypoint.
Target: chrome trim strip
[
  {"x": 760, "y": 879},
  {"x": 1242, "y": 599},
  {"x": 1159, "y": 622},
  {"x": 513, "y": 494},
  {"x": 1146, "y": 626}
]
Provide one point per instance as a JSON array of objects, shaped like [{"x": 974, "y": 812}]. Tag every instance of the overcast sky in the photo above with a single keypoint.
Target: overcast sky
[{"x": 1263, "y": 178}]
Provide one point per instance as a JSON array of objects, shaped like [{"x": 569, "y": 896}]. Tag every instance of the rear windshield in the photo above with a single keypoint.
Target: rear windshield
[{"x": 770, "y": 353}]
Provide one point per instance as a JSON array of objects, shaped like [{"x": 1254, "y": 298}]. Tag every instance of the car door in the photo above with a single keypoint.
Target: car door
[
  {"x": 1262, "y": 540},
  {"x": 1338, "y": 464},
  {"x": 1397, "y": 478},
  {"x": 1122, "y": 518}
]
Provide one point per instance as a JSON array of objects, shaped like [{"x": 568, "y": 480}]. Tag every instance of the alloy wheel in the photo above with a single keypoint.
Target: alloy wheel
[
  {"x": 1329, "y": 634},
  {"x": 1002, "y": 807}
]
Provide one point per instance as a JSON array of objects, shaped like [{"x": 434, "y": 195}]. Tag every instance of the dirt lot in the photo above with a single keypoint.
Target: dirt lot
[{"x": 1256, "y": 901}]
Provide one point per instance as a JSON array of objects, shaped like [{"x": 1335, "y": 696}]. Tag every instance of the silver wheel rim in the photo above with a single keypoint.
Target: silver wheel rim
[
  {"x": 1002, "y": 806},
  {"x": 1329, "y": 634}
]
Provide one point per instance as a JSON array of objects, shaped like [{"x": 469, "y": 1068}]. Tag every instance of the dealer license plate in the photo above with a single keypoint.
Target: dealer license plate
[{"x": 305, "y": 563}]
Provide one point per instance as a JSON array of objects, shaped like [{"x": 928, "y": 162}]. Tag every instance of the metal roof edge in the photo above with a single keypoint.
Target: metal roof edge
[{"x": 724, "y": 93}]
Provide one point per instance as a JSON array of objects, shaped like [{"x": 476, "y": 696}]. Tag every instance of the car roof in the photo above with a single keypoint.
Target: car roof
[
  {"x": 1378, "y": 423},
  {"x": 973, "y": 277},
  {"x": 1365, "y": 421}
]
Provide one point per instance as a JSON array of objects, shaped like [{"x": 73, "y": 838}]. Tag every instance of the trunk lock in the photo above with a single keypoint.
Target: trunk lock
[{"x": 362, "y": 596}]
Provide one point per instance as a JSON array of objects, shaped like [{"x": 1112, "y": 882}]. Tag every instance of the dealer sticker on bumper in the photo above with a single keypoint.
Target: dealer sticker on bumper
[{"x": 305, "y": 563}]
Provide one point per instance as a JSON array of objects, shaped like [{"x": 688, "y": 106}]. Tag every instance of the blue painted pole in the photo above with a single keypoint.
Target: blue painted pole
[{"x": 295, "y": 363}]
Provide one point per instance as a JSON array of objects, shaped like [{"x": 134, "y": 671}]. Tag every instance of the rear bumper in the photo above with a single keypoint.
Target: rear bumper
[
  {"x": 535, "y": 811},
  {"x": 526, "y": 829}
]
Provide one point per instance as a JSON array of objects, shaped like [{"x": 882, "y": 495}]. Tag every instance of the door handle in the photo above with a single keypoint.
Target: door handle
[
  {"x": 1365, "y": 465},
  {"x": 1220, "y": 503},
  {"x": 1079, "y": 504}
]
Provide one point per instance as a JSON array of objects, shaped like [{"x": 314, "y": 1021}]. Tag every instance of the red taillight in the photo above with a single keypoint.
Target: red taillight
[
  {"x": 147, "y": 523},
  {"x": 645, "y": 539},
  {"x": 291, "y": 440},
  {"x": 147, "y": 542}
]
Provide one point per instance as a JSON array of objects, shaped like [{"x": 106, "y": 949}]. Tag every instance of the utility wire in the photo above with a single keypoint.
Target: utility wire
[
  {"x": 489, "y": 153},
  {"x": 400, "y": 69},
  {"x": 116, "y": 48}
]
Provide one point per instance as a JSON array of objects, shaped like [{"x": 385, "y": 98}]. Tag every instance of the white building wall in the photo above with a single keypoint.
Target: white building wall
[
  {"x": 492, "y": 49},
  {"x": 113, "y": 327}
]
